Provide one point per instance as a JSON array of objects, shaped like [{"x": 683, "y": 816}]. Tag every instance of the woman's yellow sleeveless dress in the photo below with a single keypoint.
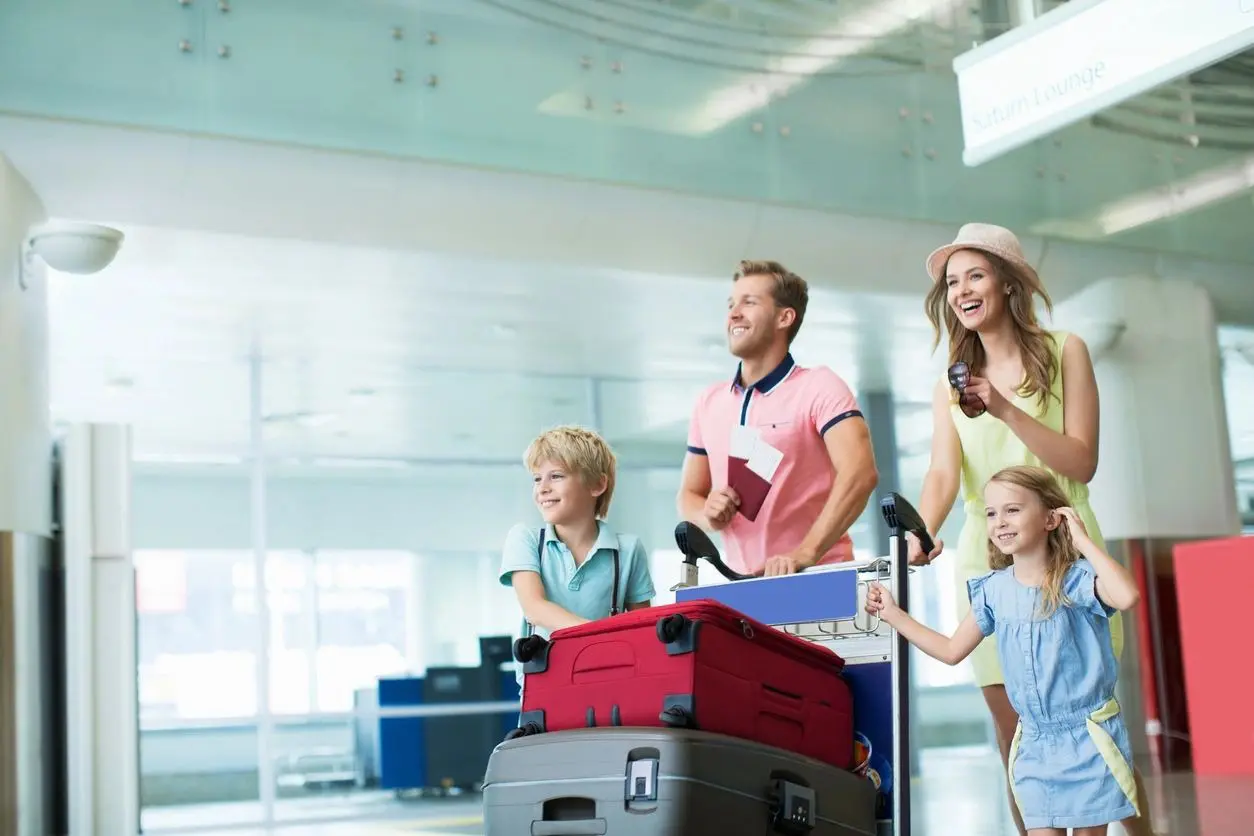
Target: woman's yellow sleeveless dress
[{"x": 988, "y": 445}]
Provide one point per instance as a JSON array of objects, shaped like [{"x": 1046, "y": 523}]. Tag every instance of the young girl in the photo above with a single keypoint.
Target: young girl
[{"x": 1070, "y": 760}]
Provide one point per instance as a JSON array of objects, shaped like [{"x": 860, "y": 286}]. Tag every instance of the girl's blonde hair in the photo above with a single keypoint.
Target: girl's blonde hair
[
  {"x": 580, "y": 451},
  {"x": 1040, "y": 365},
  {"x": 1060, "y": 549}
]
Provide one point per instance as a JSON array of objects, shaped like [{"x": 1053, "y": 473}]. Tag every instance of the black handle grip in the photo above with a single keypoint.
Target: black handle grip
[
  {"x": 901, "y": 517},
  {"x": 695, "y": 543}
]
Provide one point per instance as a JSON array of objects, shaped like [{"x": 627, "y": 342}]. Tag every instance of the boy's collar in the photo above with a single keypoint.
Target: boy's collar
[{"x": 607, "y": 538}]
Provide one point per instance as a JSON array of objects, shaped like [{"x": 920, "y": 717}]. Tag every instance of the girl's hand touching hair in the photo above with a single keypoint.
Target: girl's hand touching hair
[{"x": 1075, "y": 527}]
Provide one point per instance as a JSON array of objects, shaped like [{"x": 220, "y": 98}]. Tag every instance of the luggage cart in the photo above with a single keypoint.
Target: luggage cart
[{"x": 826, "y": 604}]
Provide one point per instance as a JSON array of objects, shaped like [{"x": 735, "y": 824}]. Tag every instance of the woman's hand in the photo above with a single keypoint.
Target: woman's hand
[
  {"x": 994, "y": 402},
  {"x": 915, "y": 549},
  {"x": 879, "y": 601},
  {"x": 1075, "y": 526}
]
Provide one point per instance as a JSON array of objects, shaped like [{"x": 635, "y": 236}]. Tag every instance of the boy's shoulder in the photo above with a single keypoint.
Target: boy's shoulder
[
  {"x": 629, "y": 544},
  {"x": 626, "y": 542},
  {"x": 524, "y": 534}
]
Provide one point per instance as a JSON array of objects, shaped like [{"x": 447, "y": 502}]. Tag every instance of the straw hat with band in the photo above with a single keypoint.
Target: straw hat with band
[{"x": 987, "y": 238}]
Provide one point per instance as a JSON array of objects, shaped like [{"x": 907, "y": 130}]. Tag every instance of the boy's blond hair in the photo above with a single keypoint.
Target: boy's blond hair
[{"x": 580, "y": 451}]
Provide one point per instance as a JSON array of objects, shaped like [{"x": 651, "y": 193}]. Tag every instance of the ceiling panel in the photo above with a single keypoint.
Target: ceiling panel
[{"x": 378, "y": 355}]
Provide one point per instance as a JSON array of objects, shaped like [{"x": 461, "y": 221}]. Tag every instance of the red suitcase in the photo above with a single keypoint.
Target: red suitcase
[{"x": 698, "y": 664}]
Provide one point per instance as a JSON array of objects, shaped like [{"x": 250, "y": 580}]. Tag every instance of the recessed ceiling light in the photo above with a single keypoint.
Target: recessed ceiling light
[
  {"x": 362, "y": 392},
  {"x": 121, "y": 382}
]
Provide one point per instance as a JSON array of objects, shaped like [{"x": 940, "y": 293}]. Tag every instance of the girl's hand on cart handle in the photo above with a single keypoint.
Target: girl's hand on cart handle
[{"x": 879, "y": 601}]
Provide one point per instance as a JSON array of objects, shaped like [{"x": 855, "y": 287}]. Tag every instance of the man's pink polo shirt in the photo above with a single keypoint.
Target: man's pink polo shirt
[{"x": 792, "y": 408}]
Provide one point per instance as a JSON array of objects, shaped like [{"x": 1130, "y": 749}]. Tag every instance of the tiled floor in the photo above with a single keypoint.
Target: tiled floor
[{"x": 961, "y": 791}]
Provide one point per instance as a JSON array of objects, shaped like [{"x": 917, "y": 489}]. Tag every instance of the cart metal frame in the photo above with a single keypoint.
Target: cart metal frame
[{"x": 826, "y": 605}]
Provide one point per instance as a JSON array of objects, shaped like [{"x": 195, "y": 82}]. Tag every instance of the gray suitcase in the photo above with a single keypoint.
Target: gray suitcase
[{"x": 667, "y": 782}]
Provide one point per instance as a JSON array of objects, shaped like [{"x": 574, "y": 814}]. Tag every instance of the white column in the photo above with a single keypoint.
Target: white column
[
  {"x": 1165, "y": 468},
  {"x": 77, "y": 544},
  {"x": 417, "y": 615},
  {"x": 102, "y": 700},
  {"x": 113, "y": 598}
]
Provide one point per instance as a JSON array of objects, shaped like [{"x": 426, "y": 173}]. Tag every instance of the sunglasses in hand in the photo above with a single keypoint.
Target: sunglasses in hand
[{"x": 970, "y": 403}]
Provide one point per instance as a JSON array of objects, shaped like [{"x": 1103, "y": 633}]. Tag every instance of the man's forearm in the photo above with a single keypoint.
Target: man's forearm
[
  {"x": 692, "y": 508},
  {"x": 846, "y": 502}
]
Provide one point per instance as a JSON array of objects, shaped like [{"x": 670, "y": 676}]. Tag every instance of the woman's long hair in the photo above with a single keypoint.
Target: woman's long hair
[
  {"x": 1060, "y": 549},
  {"x": 1040, "y": 365}
]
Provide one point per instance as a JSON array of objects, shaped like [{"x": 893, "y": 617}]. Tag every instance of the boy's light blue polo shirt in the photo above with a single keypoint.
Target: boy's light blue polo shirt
[{"x": 583, "y": 590}]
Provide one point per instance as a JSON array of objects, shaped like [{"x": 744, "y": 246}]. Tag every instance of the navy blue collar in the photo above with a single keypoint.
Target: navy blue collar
[{"x": 771, "y": 380}]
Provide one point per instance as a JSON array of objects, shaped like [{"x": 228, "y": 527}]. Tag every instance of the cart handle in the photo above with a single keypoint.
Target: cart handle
[
  {"x": 901, "y": 516},
  {"x": 695, "y": 543}
]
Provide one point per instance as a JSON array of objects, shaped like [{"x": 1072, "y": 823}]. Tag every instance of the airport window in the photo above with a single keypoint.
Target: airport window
[
  {"x": 362, "y": 605},
  {"x": 196, "y": 644}
]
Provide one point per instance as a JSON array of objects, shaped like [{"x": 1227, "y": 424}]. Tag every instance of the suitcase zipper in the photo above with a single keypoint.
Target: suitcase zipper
[{"x": 715, "y": 613}]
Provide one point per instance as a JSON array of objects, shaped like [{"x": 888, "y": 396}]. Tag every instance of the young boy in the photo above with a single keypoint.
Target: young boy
[{"x": 563, "y": 573}]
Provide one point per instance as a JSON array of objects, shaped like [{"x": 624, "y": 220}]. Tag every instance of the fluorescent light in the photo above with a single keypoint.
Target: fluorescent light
[
  {"x": 1152, "y": 205},
  {"x": 853, "y": 35},
  {"x": 1210, "y": 186}
]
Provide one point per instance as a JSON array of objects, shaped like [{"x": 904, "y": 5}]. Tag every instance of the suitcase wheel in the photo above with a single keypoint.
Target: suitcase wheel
[
  {"x": 677, "y": 717},
  {"x": 671, "y": 628},
  {"x": 526, "y": 648},
  {"x": 678, "y": 633},
  {"x": 524, "y": 730}
]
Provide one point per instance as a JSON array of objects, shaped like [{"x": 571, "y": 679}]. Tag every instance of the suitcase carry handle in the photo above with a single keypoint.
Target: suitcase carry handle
[
  {"x": 783, "y": 701},
  {"x": 581, "y": 827},
  {"x": 782, "y": 704}
]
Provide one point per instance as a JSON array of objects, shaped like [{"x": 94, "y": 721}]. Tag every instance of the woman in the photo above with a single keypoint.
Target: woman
[{"x": 1031, "y": 399}]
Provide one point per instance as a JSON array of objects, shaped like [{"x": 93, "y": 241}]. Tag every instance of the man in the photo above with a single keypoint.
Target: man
[{"x": 809, "y": 415}]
